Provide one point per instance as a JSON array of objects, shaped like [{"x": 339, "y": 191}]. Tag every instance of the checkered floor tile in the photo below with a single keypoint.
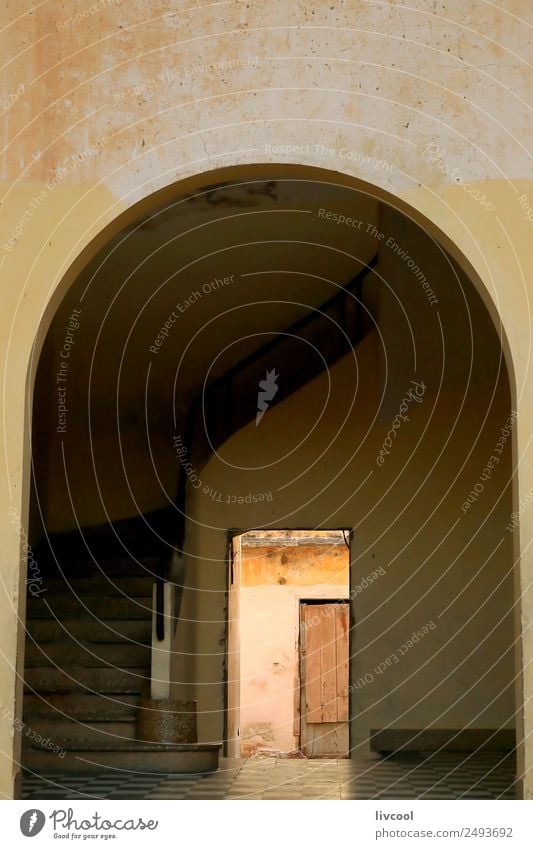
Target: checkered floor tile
[{"x": 441, "y": 776}]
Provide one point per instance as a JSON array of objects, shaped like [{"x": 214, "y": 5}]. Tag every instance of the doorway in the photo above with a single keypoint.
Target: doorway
[{"x": 288, "y": 644}]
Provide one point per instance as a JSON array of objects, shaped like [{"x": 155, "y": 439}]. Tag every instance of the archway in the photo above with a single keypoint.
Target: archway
[{"x": 328, "y": 234}]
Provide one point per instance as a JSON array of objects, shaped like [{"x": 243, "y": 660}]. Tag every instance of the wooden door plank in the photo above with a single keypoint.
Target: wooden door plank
[
  {"x": 342, "y": 620},
  {"x": 327, "y": 740},
  {"x": 303, "y": 703},
  {"x": 328, "y": 663},
  {"x": 313, "y": 691}
]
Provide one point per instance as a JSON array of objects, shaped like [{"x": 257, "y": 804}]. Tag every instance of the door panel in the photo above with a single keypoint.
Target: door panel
[
  {"x": 324, "y": 679},
  {"x": 328, "y": 664},
  {"x": 342, "y": 620},
  {"x": 311, "y": 680}
]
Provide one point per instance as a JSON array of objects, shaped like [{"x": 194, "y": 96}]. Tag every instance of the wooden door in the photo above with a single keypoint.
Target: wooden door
[{"x": 324, "y": 679}]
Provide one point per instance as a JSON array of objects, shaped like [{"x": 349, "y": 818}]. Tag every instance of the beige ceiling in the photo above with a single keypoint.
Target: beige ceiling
[{"x": 266, "y": 237}]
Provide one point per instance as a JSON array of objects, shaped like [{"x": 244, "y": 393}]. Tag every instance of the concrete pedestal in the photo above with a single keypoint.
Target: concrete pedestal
[{"x": 167, "y": 721}]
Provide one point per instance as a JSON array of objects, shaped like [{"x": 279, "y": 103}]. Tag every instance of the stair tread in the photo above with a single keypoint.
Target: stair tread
[
  {"x": 103, "y": 630},
  {"x": 85, "y": 707},
  {"x": 111, "y": 585},
  {"x": 182, "y": 759},
  {"x": 89, "y": 607},
  {"x": 129, "y": 746},
  {"x": 68, "y": 652},
  {"x": 68, "y": 733},
  {"x": 94, "y": 679},
  {"x": 114, "y": 566}
]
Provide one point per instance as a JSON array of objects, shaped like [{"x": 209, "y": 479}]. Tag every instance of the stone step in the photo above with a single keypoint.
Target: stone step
[
  {"x": 63, "y": 653},
  {"x": 91, "y": 630},
  {"x": 135, "y": 680},
  {"x": 81, "y": 706},
  {"x": 120, "y": 566},
  {"x": 139, "y": 535},
  {"x": 108, "y": 585},
  {"x": 67, "y": 734},
  {"x": 88, "y": 607},
  {"x": 178, "y": 759}
]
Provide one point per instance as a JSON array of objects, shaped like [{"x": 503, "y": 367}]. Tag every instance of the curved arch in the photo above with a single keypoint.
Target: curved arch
[{"x": 166, "y": 196}]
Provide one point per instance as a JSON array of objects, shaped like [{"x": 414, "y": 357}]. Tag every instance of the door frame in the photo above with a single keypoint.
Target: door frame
[{"x": 348, "y": 533}]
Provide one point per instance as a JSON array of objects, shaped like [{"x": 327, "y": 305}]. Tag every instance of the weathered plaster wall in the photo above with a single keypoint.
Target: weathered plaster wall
[{"x": 378, "y": 80}]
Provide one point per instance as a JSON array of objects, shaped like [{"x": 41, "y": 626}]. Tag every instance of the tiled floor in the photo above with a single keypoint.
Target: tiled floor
[{"x": 442, "y": 776}]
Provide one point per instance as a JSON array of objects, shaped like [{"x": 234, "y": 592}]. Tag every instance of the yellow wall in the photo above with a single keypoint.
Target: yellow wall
[{"x": 441, "y": 565}]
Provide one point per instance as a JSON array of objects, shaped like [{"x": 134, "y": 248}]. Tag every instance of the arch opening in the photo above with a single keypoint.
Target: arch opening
[{"x": 273, "y": 348}]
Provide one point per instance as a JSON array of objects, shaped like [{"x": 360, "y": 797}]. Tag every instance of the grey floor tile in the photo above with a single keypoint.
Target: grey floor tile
[{"x": 446, "y": 776}]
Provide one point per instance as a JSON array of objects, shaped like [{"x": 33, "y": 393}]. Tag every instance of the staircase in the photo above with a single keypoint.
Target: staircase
[{"x": 88, "y": 657}]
